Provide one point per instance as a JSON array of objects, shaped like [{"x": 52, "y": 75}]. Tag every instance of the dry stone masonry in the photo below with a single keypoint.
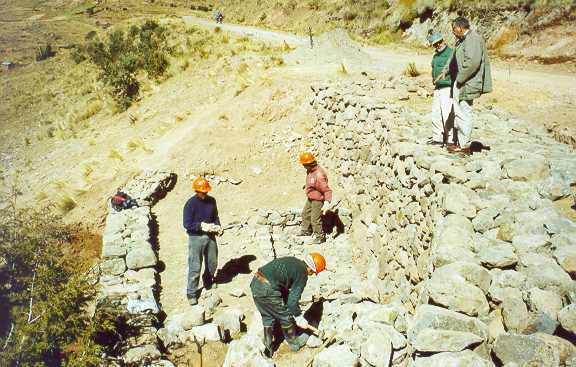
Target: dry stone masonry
[
  {"x": 435, "y": 259},
  {"x": 128, "y": 280},
  {"x": 468, "y": 260}
]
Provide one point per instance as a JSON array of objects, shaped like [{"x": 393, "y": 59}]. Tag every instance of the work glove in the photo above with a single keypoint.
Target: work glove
[
  {"x": 301, "y": 322},
  {"x": 205, "y": 227},
  {"x": 210, "y": 228}
]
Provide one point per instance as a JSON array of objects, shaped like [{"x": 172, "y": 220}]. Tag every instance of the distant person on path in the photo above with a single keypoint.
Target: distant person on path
[
  {"x": 202, "y": 225},
  {"x": 284, "y": 277},
  {"x": 473, "y": 76},
  {"x": 441, "y": 103},
  {"x": 318, "y": 198}
]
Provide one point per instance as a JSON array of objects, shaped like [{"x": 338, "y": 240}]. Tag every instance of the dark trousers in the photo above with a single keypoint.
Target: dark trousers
[
  {"x": 312, "y": 216},
  {"x": 201, "y": 249},
  {"x": 270, "y": 304}
]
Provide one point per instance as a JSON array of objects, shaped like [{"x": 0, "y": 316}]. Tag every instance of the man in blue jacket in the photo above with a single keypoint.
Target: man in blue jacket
[{"x": 202, "y": 225}]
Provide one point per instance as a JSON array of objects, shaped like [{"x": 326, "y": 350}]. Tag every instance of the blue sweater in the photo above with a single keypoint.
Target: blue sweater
[{"x": 197, "y": 211}]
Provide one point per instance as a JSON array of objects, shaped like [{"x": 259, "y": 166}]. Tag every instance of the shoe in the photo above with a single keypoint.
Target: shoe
[
  {"x": 304, "y": 233},
  {"x": 318, "y": 238},
  {"x": 268, "y": 337},
  {"x": 192, "y": 301},
  {"x": 294, "y": 342},
  {"x": 210, "y": 284},
  {"x": 434, "y": 142}
]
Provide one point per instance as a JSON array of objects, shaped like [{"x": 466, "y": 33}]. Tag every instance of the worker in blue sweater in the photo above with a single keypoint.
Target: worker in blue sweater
[{"x": 202, "y": 225}]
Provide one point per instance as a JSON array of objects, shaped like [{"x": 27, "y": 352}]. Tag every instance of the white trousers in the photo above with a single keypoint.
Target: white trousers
[
  {"x": 441, "y": 106},
  {"x": 462, "y": 118}
]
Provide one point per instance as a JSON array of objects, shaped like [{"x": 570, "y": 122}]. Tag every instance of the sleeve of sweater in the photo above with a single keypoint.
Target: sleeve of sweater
[
  {"x": 216, "y": 216},
  {"x": 293, "y": 301},
  {"x": 188, "y": 215},
  {"x": 471, "y": 58},
  {"x": 322, "y": 186}
]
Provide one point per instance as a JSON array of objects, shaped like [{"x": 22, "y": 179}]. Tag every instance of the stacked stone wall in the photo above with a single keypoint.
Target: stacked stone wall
[
  {"x": 128, "y": 285},
  {"x": 472, "y": 247}
]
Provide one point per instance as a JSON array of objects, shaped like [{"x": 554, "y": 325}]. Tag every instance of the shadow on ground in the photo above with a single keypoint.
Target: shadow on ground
[{"x": 240, "y": 265}]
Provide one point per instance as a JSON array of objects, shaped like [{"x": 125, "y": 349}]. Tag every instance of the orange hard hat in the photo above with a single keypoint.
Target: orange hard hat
[
  {"x": 307, "y": 158},
  {"x": 316, "y": 262},
  {"x": 200, "y": 184}
]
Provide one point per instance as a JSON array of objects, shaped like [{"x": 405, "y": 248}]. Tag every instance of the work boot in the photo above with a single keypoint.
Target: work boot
[
  {"x": 318, "y": 238},
  {"x": 294, "y": 342},
  {"x": 268, "y": 336}
]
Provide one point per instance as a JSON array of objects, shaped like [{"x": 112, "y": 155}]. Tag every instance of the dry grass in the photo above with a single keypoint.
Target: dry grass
[
  {"x": 137, "y": 143},
  {"x": 411, "y": 70},
  {"x": 342, "y": 70}
]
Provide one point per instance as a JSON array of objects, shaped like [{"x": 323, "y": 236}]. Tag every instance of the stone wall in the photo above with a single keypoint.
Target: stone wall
[
  {"x": 472, "y": 247},
  {"x": 128, "y": 282}
]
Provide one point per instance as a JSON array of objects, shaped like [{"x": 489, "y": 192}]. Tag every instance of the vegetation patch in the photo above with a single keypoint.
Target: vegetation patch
[
  {"x": 124, "y": 55},
  {"x": 45, "y": 290}
]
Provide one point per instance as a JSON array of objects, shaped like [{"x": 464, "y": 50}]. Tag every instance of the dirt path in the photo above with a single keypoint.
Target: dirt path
[{"x": 252, "y": 32}]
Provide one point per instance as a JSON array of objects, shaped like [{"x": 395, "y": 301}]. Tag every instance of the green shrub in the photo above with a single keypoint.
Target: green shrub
[
  {"x": 44, "y": 52},
  {"x": 123, "y": 55},
  {"x": 44, "y": 294}
]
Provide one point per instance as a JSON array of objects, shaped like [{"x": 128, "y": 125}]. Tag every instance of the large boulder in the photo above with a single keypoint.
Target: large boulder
[
  {"x": 566, "y": 258},
  {"x": 336, "y": 356},
  {"x": 460, "y": 287},
  {"x": 525, "y": 350},
  {"x": 438, "y": 318},
  {"x": 567, "y": 318},
  {"x": 141, "y": 356},
  {"x": 544, "y": 301},
  {"x": 438, "y": 340},
  {"x": 514, "y": 311},
  {"x": 500, "y": 255},
  {"x": 377, "y": 350},
  {"x": 247, "y": 352},
  {"x": 527, "y": 169},
  {"x": 453, "y": 359},
  {"x": 543, "y": 272},
  {"x": 141, "y": 256},
  {"x": 453, "y": 240}
]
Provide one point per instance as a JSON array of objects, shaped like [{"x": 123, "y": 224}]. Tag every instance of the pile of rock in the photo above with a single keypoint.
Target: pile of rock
[
  {"x": 150, "y": 186},
  {"x": 471, "y": 248},
  {"x": 128, "y": 280}
]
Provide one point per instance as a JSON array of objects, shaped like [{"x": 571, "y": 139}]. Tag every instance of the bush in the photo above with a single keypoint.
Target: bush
[
  {"x": 44, "y": 293},
  {"x": 411, "y": 70},
  {"x": 124, "y": 55},
  {"x": 44, "y": 52}
]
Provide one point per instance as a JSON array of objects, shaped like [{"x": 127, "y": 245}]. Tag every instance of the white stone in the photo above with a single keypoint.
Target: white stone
[
  {"x": 336, "y": 356},
  {"x": 207, "y": 333}
]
